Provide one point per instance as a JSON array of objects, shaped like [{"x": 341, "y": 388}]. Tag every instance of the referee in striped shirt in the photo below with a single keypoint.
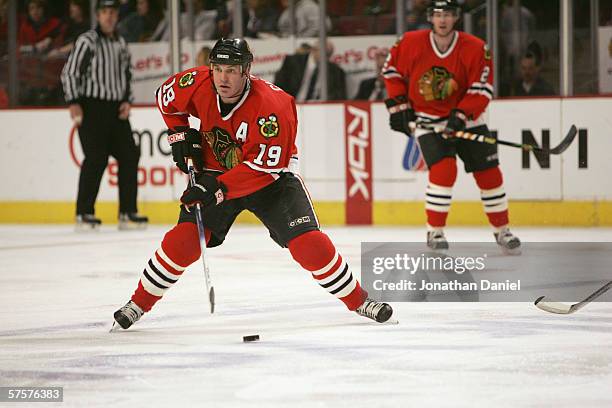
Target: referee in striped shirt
[{"x": 96, "y": 81}]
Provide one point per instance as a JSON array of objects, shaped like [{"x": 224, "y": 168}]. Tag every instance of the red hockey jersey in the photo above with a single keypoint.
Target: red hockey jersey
[
  {"x": 252, "y": 144},
  {"x": 436, "y": 82}
]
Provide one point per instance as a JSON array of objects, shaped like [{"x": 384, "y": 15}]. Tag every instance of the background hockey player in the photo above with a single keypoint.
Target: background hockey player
[
  {"x": 444, "y": 76},
  {"x": 246, "y": 155}
]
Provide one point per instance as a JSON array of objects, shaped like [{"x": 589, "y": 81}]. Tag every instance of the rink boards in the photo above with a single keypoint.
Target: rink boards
[{"x": 353, "y": 165}]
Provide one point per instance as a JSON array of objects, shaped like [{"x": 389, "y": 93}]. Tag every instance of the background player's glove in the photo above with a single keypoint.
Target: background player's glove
[
  {"x": 455, "y": 123},
  {"x": 206, "y": 191},
  {"x": 186, "y": 143},
  {"x": 400, "y": 114}
]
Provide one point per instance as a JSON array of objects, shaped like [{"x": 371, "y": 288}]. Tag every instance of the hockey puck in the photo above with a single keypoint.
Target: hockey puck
[{"x": 254, "y": 337}]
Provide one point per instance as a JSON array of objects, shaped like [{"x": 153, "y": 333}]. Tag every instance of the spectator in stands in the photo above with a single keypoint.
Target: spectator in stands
[
  {"x": 416, "y": 17},
  {"x": 204, "y": 23},
  {"x": 125, "y": 7},
  {"x": 139, "y": 25},
  {"x": 530, "y": 83},
  {"x": 202, "y": 57},
  {"x": 38, "y": 32},
  {"x": 373, "y": 89},
  {"x": 478, "y": 11},
  {"x": 262, "y": 19},
  {"x": 77, "y": 24},
  {"x": 306, "y": 19},
  {"x": 4, "y": 99},
  {"x": 299, "y": 72},
  {"x": 517, "y": 25},
  {"x": 303, "y": 48},
  {"x": 3, "y": 27}
]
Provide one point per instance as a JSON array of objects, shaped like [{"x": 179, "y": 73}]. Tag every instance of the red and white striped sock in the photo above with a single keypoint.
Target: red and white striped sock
[
  {"x": 179, "y": 249},
  {"x": 493, "y": 196},
  {"x": 315, "y": 252},
  {"x": 438, "y": 195}
]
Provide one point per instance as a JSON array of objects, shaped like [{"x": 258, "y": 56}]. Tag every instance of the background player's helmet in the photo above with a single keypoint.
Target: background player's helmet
[
  {"x": 231, "y": 51},
  {"x": 441, "y": 5}
]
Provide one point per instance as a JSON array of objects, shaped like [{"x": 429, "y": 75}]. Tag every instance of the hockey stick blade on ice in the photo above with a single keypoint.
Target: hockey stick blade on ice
[
  {"x": 210, "y": 289},
  {"x": 562, "y": 308},
  {"x": 560, "y": 148}
]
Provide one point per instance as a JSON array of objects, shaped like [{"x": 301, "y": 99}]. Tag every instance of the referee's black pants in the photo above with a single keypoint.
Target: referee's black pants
[{"x": 102, "y": 133}]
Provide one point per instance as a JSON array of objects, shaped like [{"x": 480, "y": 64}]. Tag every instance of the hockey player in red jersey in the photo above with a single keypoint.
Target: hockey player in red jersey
[
  {"x": 444, "y": 77},
  {"x": 246, "y": 158}
]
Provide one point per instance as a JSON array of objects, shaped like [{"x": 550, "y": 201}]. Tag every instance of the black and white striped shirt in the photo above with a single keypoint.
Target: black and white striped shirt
[{"x": 98, "y": 67}]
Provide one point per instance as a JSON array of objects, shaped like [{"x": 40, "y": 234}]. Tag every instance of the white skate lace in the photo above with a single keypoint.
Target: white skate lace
[
  {"x": 436, "y": 235},
  {"x": 505, "y": 235},
  {"x": 369, "y": 309},
  {"x": 131, "y": 311}
]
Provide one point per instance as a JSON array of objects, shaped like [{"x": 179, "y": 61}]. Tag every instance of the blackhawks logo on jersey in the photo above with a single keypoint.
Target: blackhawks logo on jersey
[
  {"x": 268, "y": 127},
  {"x": 437, "y": 84},
  {"x": 187, "y": 79},
  {"x": 227, "y": 152}
]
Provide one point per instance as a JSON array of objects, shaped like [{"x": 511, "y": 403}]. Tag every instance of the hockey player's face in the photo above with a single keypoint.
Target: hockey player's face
[
  {"x": 229, "y": 81},
  {"x": 443, "y": 22}
]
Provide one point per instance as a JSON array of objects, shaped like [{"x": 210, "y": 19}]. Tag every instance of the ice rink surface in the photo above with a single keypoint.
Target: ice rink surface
[{"x": 59, "y": 290}]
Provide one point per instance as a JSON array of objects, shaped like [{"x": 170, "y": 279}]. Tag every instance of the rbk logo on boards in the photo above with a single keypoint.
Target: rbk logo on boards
[{"x": 358, "y": 132}]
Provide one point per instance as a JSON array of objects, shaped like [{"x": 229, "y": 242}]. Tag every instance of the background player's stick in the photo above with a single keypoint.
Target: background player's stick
[
  {"x": 560, "y": 148},
  {"x": 210, "y": 289},
  {"x": 562, "y": 308}
]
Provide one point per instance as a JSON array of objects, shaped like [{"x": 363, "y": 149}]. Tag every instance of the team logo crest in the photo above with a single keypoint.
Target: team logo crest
[
  {"x": 487, "y": 52},
  {"x": 187, "y": 79},
  {"x": 437, "y": 84},
  {"x": 268, "y": 127},
  {"x": 226, "y": 151}
]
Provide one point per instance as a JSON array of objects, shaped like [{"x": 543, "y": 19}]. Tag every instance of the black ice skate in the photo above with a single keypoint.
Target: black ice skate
[
  {"x": 132, "y": 221},
  {"x": 436, "y": 240},
  {"x": 127, "y": 315},
  {"x": 87, "y": 222},
  {"x": 509, "y": 243},
  {"x": 378, "y": 311}
]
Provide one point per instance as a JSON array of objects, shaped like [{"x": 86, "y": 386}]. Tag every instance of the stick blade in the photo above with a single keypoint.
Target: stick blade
[
  {"x": 553, "y": 307},
  {"x": 211, "y": 299},
  {"x": 566, "y": 142}
]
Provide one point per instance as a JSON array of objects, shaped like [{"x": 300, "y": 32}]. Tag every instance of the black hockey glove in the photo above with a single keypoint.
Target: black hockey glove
[
  {"x": 206, "y": 191},
  {"x": 400, "y": 114},
  {"x": 455, "y": 123},
  {"x": 186, "y": 143}
]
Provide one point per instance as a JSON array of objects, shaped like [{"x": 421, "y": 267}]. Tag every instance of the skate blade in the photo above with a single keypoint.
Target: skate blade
[
  {"x": 132, "y": 226},
  {"x": 114, "y": 328},
  {"x": 87, "y": 227},
  {"x": 391, "y": 322},
  {"x": 511, "y": 252}
]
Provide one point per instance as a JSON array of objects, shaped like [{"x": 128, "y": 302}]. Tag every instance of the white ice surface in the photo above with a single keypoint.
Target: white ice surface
[{"x": 58, "y": 290}]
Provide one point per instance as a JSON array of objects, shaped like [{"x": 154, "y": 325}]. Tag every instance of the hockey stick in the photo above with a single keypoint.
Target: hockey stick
[
  {"x": 560, "y": 148},
  {"x": 562, "y": 308},
  {"x": 210, "y": 289}
]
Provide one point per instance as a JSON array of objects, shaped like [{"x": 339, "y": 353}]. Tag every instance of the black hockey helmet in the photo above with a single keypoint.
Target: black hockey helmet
[
  {"x": 441, "y": 5},
  {"x": 231, "y": 51}
]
